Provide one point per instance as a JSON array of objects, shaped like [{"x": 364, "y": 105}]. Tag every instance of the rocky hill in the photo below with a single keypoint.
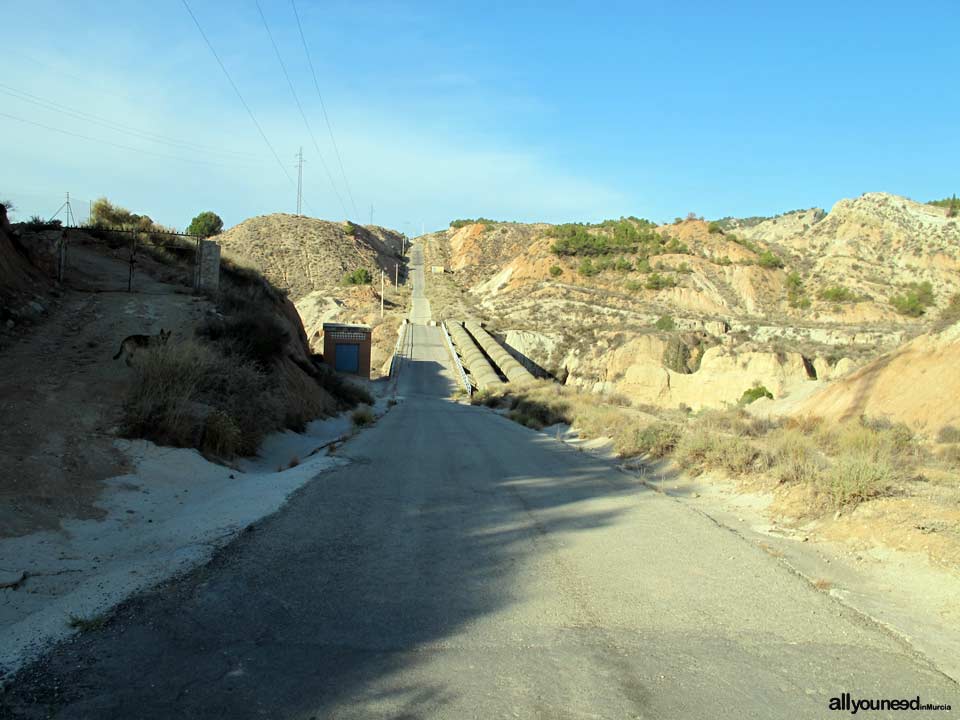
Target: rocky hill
[
  {"x": 310, "y": 259},
  {"x": 697, "y": 312},
  {"x": 304, "y": 255}
]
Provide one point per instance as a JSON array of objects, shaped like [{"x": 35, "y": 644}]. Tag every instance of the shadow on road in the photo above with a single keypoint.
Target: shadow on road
[{"x": 352, "y": 600}]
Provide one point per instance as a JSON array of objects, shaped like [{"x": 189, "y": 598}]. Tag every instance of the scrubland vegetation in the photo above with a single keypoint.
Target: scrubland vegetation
[
  {"x": 235, "y": 381},
  {"x": 841, "y": 465}
]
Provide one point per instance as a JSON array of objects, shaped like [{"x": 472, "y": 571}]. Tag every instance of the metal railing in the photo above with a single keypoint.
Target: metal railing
[
  {"x": 394, "y": 364},
  {"x": 464, "y": 381}
]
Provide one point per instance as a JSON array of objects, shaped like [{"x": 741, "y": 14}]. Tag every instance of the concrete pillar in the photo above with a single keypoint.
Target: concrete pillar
[{"x": 208, "y": 266}]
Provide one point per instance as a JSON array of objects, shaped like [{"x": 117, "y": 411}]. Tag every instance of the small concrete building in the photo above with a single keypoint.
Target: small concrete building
[{"x": 346, "y": 348}]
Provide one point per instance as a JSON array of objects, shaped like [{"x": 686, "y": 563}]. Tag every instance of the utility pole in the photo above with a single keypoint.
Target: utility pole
[
  {"x": 381, "y": 293},
  {"x": 299, "y": 157},
  {"x": 396, "y": 276},
  {"x": 371, "y": 213}
]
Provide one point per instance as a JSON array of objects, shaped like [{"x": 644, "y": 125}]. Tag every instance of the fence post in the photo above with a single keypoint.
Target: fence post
[{"x": 133, "y": 260}]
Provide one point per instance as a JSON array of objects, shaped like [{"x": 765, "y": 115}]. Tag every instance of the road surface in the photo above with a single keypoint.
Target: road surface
[{"x": 465, "y": 567}]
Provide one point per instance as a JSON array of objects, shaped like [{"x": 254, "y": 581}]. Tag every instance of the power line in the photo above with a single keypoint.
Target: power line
[
  {"x": 323, "y": 107},
  {"x": 112, "y": 144},
  {"x": 237, "y": 91},
  {"x": 303, "y": 115},
  {"x": 118, "y": 127}
]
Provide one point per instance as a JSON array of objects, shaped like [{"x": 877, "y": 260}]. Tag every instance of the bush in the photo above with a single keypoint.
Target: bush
[
  {"x": 714, "y": 227},
  {"x": 755, "y": 393},
  {"x": 257, "y": 335},
  {"x": 556, "y": 271},
  {"x": 656, "y": 281},
  {"x": 838, "y": 293},
  {"x": 362, "y": 417},
  {"x": 457, "y": 224},
  {"x": 346, "y": 393},
  {"x": 795, "y": 458},
  {"x": 177, "y": 387},
  {"x": 915, "y": 300},
  {"x": 859, "y": 476},
  {"x": 666, "y": 324},
  {"x": 360, "y": 276},
  {"x": 38, "y": 224},
  {"x": 951, "y": 313},
  {"x": 948, "y": 434},
  {"x": 656, "y": 440},
  {"x": 770, "y": 261},
  {"x": 205, "y": 225},
  {"x": 221, "y": 435},
  {"x": 587, "y": 268},
  {"x": 699, "y": 450}
]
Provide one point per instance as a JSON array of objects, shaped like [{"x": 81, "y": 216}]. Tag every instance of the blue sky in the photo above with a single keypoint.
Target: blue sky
[{"x": 516, "y": 111}]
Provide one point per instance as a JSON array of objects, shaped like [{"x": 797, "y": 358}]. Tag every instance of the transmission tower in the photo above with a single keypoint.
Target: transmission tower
[
  {"x": 299, "y": 157},
  {"x": 71, "y": 220}
]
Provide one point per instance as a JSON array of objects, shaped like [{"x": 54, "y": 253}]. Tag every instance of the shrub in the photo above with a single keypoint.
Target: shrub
[
  {"x": 205, "y": 225},
  {"x": 256, "y": 334},
  {"x": 951, "y": 313},
  {"x": 38, "y": 224},
  {"x": 623, "y": 265},
  {"x": 770, "y": 261},
  {"x": 699, "y": 450},
  {"x": 858, "y": 476},
  {"x": 221, "y": 435},
  {"x": 656, "y": 440},
  {"x": 915, "y": 300},
  {"x": 457, "y": 224},
  {"x": 556, "y": 271},
  {"x": 656, "y": 281},
  {"x": 755, "y": 393},
  {"x": 587, "y": 268},
  {"x": 795, "y": 458},
  {"x": 948, "y": 434},
  {"x": 362, "y": 417},
  {"x": 838, "y": 293},
  {"x": 178, "y": 385},
  {"x": 666, "y": 324},
  {"x": 714, "y": 227},
  {"x": 360, "y": 276},
  {"x": 346, "y": 393},
  {"x": 539, "y": 413}
]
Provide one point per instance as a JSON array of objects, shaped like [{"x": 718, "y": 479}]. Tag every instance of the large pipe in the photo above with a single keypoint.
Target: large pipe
[
  {"x": 483, "y": 373},
  {"x": 514, "y": 371}
]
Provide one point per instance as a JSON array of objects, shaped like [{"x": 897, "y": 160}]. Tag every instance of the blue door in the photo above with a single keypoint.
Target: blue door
[{"x": 348, "y": 358}]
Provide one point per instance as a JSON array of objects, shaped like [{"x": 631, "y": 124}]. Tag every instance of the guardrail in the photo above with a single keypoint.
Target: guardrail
[
  {"x": 394, "y": 365},
  {"x": 456, "y": 361}
]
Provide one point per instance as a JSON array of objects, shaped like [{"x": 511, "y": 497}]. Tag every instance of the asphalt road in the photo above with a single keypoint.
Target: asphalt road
[{"x": 465, "y": 567}]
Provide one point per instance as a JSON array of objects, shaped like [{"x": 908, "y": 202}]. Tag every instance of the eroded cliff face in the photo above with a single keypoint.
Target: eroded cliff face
[{"x": 784, "y": 302}]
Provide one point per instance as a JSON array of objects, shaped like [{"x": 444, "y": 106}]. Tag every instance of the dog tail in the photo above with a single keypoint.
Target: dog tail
[{"x": 119, "y": 352}]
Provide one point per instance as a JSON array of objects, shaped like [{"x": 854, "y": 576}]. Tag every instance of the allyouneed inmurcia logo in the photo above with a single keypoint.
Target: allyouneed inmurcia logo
[{"x": 847, "y": 702}]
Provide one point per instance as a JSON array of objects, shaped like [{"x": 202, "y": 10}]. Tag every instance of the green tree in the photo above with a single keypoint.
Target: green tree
[{"x": 205, "y": 224}]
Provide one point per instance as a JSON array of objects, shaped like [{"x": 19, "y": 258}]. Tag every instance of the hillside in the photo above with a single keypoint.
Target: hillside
[
  {"x": 802, "y": 297},
  {"x": 303, "y": 255},
  {"x": 309, "y": 259}
]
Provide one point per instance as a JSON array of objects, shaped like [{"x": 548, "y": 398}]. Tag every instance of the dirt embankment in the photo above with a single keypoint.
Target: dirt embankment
[{"x": 64, "y": 395}]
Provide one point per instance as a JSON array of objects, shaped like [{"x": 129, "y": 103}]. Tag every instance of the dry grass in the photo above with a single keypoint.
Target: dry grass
[
  {"x": 362, "y": 417},
  {"x": 188, "y": 395}
]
